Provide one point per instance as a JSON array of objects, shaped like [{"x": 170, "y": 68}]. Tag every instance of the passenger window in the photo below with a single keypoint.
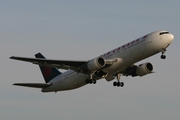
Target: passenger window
[{"x": 163, "y": 33}]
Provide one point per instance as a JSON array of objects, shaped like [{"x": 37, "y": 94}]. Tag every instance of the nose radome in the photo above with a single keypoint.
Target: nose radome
[{"x": 171, "y": 36}]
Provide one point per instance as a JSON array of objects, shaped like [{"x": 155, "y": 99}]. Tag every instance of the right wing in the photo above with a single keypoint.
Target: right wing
[{"x": 129, "y": 71}]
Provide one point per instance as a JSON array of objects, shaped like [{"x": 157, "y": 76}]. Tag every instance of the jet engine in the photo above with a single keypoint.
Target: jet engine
[
  {"x": 144, "y": 69},
  {"x": 96, "y": 64}
]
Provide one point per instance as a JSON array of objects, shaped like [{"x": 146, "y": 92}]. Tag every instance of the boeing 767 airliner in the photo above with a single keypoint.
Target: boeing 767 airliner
[{"x": 113, "y": 64}]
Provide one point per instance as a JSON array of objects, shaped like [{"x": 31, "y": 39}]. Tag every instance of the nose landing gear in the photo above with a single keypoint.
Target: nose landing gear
[{"x": 163, "y": 51}]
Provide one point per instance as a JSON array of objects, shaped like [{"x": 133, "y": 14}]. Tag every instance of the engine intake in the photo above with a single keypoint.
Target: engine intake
[
  {"x": 144, "y": 69},
  {"x": 96, "y": 64}
]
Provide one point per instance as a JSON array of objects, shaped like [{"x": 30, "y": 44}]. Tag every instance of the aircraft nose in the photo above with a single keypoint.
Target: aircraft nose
[{"x": 171, "y": 37}]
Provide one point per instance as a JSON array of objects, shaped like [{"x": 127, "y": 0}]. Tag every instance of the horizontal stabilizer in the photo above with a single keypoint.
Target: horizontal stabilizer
[{"x": 34, "y": 85}]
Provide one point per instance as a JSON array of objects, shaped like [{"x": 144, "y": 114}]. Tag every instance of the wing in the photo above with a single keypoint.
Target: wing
[
  {"x": 60, "y": 64},
  {"x": 130, "y": 71},
  {"x": 34, "y": 85},
  {"x": 140, "y": 70}
]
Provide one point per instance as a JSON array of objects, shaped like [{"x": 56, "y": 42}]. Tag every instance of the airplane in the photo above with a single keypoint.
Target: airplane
[{"x": 111, "y": 65}]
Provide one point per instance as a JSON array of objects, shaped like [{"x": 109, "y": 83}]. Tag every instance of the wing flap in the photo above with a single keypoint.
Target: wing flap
[{"x": 34, "y": 85}]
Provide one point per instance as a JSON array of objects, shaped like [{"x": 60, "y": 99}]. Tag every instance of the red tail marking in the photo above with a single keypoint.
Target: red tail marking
[{"x": 47, "y": 72}]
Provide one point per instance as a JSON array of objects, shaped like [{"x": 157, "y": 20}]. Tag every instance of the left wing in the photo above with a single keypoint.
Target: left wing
[
  {"x": 34, "y": 85},
  {"x": 60, "y": 64}
]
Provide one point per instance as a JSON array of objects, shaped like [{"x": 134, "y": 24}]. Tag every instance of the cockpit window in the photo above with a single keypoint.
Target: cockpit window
[{"x": 163, "y": 33}]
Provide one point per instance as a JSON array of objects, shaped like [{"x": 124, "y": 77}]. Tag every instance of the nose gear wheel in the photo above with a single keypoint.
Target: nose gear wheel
[{"x": 163, "y": 51}]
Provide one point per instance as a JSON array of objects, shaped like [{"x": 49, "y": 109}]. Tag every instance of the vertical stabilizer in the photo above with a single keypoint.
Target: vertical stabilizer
[{"x": 48, "y": 72}]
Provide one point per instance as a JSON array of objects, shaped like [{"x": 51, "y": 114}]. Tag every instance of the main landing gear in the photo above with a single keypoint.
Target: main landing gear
[
  {"x": 163, "y": 51},
  {"x": 118, "y": 83},
  {"x": 90, "y": 81}
]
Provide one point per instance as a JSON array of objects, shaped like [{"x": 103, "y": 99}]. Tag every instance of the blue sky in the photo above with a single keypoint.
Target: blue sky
[{"x": 81, "y": 30}]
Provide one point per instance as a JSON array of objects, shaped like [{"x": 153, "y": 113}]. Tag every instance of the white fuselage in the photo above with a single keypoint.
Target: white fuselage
[{"x": 126, "y": 55}]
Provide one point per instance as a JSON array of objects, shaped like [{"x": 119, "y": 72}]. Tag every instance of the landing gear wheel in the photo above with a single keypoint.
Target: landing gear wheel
[
  {"x": 118, "y": 84},
  {"x": 94, "y": 81},
  {"x": 87, "y": 81},
  {"x": 114, "y": 83},
  {"x": 90, "y": 81},
  {"x": 121, "y": 84},
  {"x": 163, "y": 57}
]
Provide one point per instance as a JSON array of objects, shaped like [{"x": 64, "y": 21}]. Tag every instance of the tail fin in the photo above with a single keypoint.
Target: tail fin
[{"x": 48, "y": 72}]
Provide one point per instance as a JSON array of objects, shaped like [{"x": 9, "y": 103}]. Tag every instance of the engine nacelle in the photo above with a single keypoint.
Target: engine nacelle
[
  {"x": 144, "y": 69},
  {"x": 96, "y": 64}
]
